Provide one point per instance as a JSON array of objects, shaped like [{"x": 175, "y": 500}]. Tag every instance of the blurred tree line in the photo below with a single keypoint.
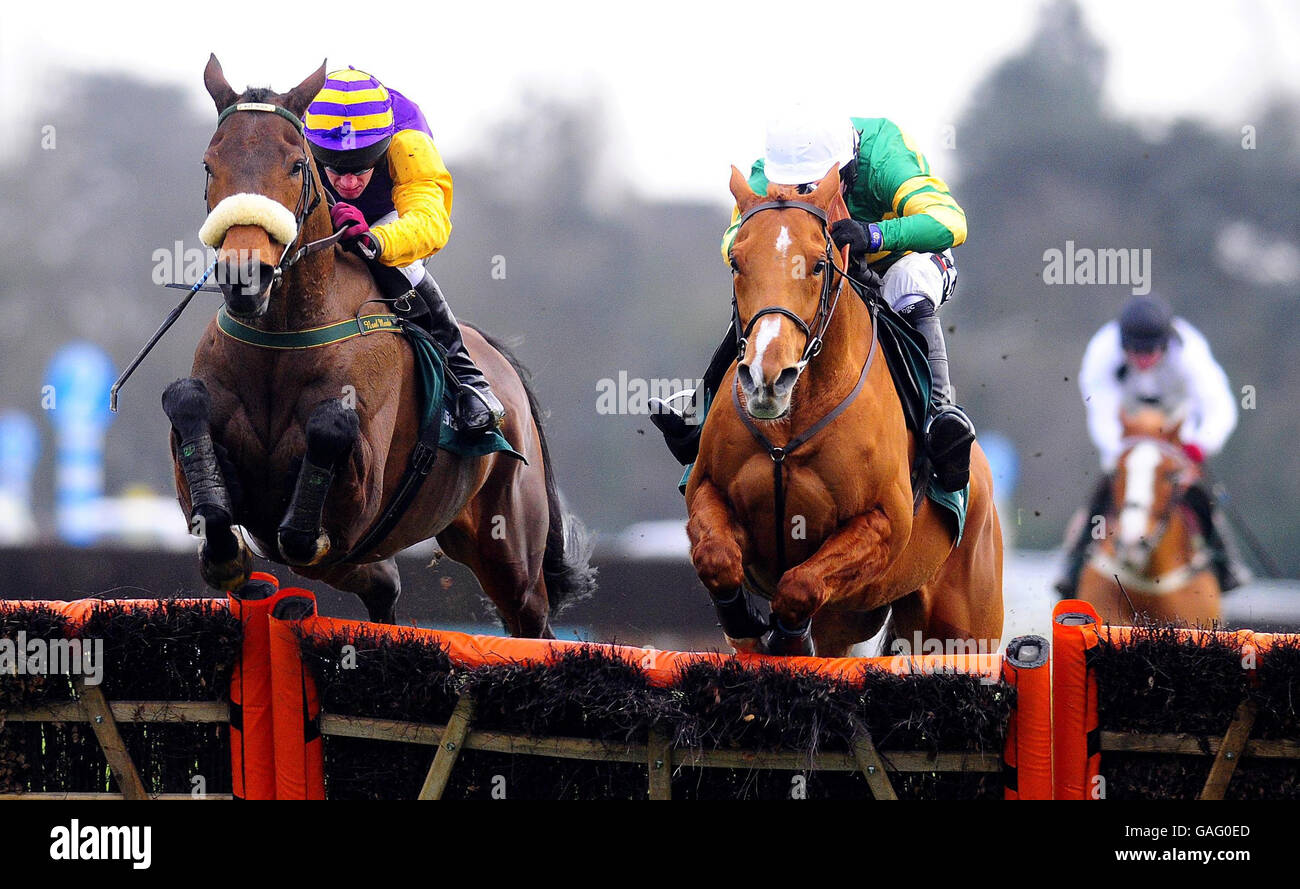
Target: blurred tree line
[{"x": 598, "y": 281}]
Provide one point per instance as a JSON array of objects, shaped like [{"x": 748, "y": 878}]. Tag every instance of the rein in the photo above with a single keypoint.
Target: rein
[{"x": 825, "y": 312}]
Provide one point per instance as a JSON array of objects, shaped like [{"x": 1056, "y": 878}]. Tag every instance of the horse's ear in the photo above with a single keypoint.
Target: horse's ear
[
  {"x": 828, "y": 189},
  {"x": 740, "y": 189},
  {"x": 298, "y": 98},
  {"x": 218, "y": 88}
]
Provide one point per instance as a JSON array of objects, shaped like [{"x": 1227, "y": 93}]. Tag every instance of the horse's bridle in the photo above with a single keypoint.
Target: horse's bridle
[
  {"x": 1176, "y": 498},
  {"x": 826, "y": 303},
  {"x": 308, "y": 199},
  {"x": 825, "y": 312}
]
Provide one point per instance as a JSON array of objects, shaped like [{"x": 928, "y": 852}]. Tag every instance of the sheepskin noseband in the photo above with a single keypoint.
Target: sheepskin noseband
[{"x": 249, "y": 209}]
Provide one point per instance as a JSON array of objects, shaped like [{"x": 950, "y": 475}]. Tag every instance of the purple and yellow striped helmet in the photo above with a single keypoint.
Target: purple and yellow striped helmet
[{"x": 350, "y": 122}]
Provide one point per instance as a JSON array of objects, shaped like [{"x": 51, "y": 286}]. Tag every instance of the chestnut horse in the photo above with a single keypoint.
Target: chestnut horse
[
  {"x": 1152, "y": 548},
  {"x": 305, "y": 448},
  {"x": 846, "y": 547}
]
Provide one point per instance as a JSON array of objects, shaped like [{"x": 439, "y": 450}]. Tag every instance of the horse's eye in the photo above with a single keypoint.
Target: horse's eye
[
  {"x": 735, "y": 269},
  {"x": 297, "y": 168},
  {"x": 819, "y": 267},
  {"x": 206, "y": 169}
]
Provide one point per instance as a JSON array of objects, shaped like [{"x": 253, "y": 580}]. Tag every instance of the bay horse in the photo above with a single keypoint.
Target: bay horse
[
  {"x": 845, "y": 548},
  {"x": 304, "y": 448},
  {"x": 1152, "y": 546}
]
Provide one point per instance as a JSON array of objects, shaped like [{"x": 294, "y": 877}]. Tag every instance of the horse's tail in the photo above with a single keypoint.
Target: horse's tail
[{"x": 566, "y": 564}]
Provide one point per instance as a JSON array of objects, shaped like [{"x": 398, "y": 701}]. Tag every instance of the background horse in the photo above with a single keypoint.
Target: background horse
[
  {"x": 304, "y": 448},
  {"x": 852, "y": 544},
  {"x": 1153, "y": 546}
]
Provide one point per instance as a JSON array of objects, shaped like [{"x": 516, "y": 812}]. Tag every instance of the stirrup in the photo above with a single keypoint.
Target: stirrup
[{"x": 492, "y": 408}]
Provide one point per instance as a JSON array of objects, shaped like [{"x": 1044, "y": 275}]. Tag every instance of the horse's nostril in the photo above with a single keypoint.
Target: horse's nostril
[
  {"x": 786, "y": 380},
  {"x": 750, "y": 379},
  {"x": 263, "y": 276}
]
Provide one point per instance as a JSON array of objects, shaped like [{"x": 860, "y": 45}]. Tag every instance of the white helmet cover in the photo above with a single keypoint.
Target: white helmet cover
[{"x": 802, "y": 145}]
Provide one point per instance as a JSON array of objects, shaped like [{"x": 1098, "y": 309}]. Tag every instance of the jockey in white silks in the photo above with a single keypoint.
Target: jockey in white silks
[{"x": 1150, "y": 358}]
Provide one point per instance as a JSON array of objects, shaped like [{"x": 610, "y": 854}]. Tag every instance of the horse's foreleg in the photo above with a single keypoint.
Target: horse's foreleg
[
  {"x": 224, "y": 561},
  {"x": 332, "y": 431},
  {"x": 717, "y": 551},
  {"x": 377, "y": 584},
  {"x": 856, "y": 554}
]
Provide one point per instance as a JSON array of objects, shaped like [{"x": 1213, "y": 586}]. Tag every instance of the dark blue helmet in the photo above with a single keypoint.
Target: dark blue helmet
[{"x": 1145, "y": 324}]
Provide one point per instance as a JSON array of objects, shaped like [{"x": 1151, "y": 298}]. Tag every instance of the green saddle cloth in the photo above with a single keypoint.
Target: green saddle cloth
[
  {"x": 436, "y": 406},
  {"x": 909, "y": 364}
]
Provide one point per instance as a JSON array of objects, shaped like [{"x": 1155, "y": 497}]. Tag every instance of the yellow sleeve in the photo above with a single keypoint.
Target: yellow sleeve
[
  {"x": 422, "y": 195},
  {"x": 729, "y": 236}
]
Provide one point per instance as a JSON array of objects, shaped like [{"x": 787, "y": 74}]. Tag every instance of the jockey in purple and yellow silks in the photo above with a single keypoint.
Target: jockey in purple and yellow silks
[{"x": 391, "y": 188}]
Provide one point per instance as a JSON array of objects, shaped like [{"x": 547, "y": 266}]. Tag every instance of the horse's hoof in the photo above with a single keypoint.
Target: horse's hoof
[
  {"x": 231, "y": 574},
  {"x": 791, "y": 643},
  {"x": 298, "y": 550},
  {"x": 745, "y": 646}
]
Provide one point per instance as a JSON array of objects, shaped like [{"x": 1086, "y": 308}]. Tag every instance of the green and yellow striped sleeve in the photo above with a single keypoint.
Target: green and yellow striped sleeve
[{"x": 928, "y": 218}]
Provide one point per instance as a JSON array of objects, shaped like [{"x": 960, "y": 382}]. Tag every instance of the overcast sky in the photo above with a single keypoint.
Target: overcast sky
[{"x": 688, "y": 84}]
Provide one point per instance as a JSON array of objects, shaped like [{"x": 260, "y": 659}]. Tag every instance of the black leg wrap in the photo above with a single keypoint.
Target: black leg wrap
[
  {"x": 739, "y": 618},
  {"x": 202, "y": 471},
  {"x": 308, "y": 503},
  {"x": 788, "y": 642}
]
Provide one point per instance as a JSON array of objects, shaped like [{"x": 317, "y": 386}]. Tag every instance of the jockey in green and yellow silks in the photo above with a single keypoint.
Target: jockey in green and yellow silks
[
  {"x": 890, "y": 184},
  {"x": 391, "y": 189},
  {"x": 903, "y": 225}
]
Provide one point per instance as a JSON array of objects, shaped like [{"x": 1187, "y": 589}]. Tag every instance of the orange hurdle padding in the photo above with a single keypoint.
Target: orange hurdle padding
[
  {"x": 1076, "y": 736},
  {"x": 660, "y": 667},
  {"x": 252, "y": 735},
  {"x": 1028, "y": 756},
  {"x": 76, "y": 611},
  {"x": 295, "y": 704}
]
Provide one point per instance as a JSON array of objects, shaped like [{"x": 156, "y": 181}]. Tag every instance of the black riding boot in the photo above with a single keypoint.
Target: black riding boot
[
  {"x": 1228, "y": 567},
  {"x": 949, "y": 433},
  {"x": 477, "y": 408},
  {"x": 1098, "y": 505},
  {"x": 681, "y": 429}
]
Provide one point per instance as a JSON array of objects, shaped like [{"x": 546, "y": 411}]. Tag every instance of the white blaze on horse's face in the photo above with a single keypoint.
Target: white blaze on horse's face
[
  {"x": 783, "y": 241},
  {"x": 764, "y": 402},
  {"x": 1139, "y": 466}
]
